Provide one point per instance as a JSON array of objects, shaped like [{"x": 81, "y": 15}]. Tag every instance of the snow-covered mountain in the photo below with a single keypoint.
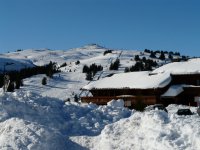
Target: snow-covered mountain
[
  {"x": 14, "y": 64},
  {"x": 38, "y": 116},
  {"x": 71, "y": 79}
]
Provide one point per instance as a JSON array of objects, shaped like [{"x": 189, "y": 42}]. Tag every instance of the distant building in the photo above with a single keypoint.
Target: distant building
[{"x": 177, "y": 82}]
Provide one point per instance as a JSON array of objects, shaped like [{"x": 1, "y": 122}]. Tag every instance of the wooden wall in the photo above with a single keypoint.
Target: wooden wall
[
  {"x": 130, "y": 101},
  {"x": 190, "y": 79},
  {"x": 126, "y": 91}
]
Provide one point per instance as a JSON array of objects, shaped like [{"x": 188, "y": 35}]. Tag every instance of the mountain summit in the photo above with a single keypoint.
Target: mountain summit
[{"x": 93, "y": 46}]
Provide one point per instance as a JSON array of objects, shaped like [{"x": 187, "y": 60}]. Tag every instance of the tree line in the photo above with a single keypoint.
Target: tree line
[
  {"x": 142, "y": 65},
  {"x": 91, "y": 70},
  {"x": 16, "y": 77},
  {"x": 162, "y": 55}
]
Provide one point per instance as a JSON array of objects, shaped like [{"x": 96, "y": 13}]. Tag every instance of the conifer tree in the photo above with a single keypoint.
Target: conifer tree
[
  {"x": 89, "y": 76},
  {"x": 162, "y": 56},
  {"x": 44, "y": 81}
]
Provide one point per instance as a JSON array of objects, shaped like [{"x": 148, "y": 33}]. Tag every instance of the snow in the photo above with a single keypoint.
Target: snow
[
  {"x": 68, "y": 83},
  {"x": 116, "y": 103},
  {"x": 189, "y": 67},
  {"x": 132, "y": 80},
  {"x": 16, "y": 133},
  {"x": 153, "y": 130},
  {"x": 10, "y": 64},
  {"x": 61, "y": 86},
  {"x": 38, "y": 116},
  {"x": 31, "y": 121},
  {"x": 173, "y": 91}
]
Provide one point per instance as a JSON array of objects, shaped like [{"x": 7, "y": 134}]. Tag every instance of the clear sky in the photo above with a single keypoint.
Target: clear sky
[{"x": 128, "y": 24}]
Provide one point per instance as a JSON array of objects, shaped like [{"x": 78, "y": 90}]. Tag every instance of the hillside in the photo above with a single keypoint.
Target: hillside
[
  {"x": 14, "y": 64},
  {"x": 70, "y": 80}
]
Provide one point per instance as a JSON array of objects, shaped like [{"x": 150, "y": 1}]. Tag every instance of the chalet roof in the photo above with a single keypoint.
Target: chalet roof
[
  {"x": 132, "y": 80},
  {"x": 191, "y": 66}
]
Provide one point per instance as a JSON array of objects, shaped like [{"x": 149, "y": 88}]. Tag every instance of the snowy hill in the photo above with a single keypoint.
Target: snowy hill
[
  {"x": 71, "y": 79},
  {"x": 39, "y": 116},
  {"x": 14, "y": 64}
]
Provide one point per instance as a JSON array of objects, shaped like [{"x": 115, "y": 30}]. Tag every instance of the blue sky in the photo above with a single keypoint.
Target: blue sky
[{"x": 128, "y": 24}]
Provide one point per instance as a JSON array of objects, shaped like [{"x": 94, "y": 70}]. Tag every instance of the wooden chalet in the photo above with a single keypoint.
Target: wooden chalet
[
  {"x": 130, "y": 96},
  {"x": 164, "y": 87}
]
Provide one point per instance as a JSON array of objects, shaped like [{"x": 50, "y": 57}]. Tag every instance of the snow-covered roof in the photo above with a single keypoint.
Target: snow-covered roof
[
  {"x": 173, "y": 91},
  {"x": 189, "y": 67},
  {"x": 132, "y": 80}
]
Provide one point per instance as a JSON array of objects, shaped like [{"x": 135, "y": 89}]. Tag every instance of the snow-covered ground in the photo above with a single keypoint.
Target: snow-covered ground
[
  {"x": 31, "y": 121},
  {"x": 38, "y": 116},
  {"x": 154, "y": 130}
]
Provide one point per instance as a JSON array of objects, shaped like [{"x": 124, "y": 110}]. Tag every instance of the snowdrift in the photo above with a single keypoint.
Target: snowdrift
[
  {"x": 30, "y": 121},
  {"x": 153, "y": 130}
]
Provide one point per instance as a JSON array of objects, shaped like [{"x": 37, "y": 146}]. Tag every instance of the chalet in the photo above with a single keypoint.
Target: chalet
[{"x": 177, "y": 82}]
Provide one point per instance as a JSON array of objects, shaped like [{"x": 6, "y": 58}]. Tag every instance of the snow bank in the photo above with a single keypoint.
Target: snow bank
[
  {"x": 152, "y": 130},
  {"x": 91, "y": 119},
  {"x": 116, "y": 103},
  {"x": 30, "y": 121},
  {"x": 16, "y": 134}
]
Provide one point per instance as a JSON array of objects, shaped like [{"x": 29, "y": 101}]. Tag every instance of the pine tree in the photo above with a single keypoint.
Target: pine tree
[
  {"x": 11, "y": 87},
  {"x": 152, "y": 55},
  {"x": 144, "y": 59},
  {"x": 162, "y": 56},
  {"x": 115, "y": 65},
  {"x": 44, "y": 81},
  {"x": 170, "y": 56},
  {"x": 147, "y": 51},
  {"x": 76, "y": 98},
  {"x": 85, "y": 69},
  {"x": 137, "y": 58},
  {"x": 126, "y": 69},
  {"x": 77, "y": 62},
  {"x": 63, "y": 65},
  {"x": 89, "y": 76}
]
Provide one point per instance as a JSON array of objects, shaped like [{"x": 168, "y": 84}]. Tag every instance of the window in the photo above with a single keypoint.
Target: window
[
  {"x": 127, "y": 103},
  {"x": 198, "y": 82}
]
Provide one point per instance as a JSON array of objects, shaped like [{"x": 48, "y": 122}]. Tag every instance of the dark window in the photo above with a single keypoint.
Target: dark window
[{"x": 198, "y": 82}]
